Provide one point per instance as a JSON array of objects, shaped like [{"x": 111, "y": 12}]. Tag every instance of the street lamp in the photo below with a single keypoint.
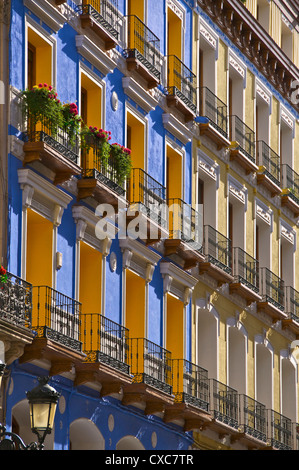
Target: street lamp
[{"x": 42, "y": 403}]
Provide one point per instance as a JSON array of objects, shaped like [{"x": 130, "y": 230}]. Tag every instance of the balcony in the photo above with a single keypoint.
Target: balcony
[
  {"x": 290, "y": 191},
  {"x": 268, "y": 174},
  {"x": 106, "y": 346},
  {"x": 280, "y": 436},
  {"x": 147, "y": 197},
  {"x": 272, "y": 292},
  {"x": 56, "y": 322},
  {"x": 150, "y": 365},
  {"x": 246, "y": 276},
  {"x": 52, "y": 147},
  {"x": 242, "y": 148},
  {"x": 16, "y": 302},
  {"x": 224, "y": 405},
  {"x": 253, "y": 422},
  {"x": 181, "y": 91},
  {"x": 143, "y": 52},
  {"x": 291, "y": 309},
  {"x": 218, "y": 256},
  {"x": 212, "y": 108},
  {"x": 185, "y": 233},
  {"x": 101, "y": 17},
  {"x": 100, "y": 181}
]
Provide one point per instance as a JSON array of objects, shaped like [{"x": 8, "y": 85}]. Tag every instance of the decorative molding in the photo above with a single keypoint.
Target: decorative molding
[
  {"x": 236, "y": 64},
  {"x": 237, "y": 190},
  {"x": 263, "y": 92},
  {"x": 176, "y": 128},
  {"x": 47, "y": 13},
  {"x": 287, "y": 232},
  {"x": 139, "y": 258},
  {"x": 94, "y": 54},
  {"x": 264, "y": 213},
  {"x": 138, "y": 94},
  {"x": 208, "y": 167},
  {"x": 42, "y": 195},
  {"x": 177, "y": 282}
]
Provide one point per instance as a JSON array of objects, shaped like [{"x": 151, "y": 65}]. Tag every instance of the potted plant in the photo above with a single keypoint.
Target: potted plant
[
  {"x": 42, "y": 109},
  {"x": 96, "y": 140},
  {"x": 121, "y": 160},
  {"x": 72, "y": 122}
]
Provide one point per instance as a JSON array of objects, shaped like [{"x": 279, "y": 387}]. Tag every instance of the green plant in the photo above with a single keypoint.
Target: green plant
[
  {"x": 97, "y": 140},
  {"x": 121, "y": 161},
  {"x": 72, "y": 122},
  {"x": 42, "y": 108}
]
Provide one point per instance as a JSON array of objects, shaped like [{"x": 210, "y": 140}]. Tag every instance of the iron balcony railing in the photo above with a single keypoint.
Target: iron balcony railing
[
  {"x": 94, "y": 167},
  {"x": 292, "y": 303},
  {"x": 105, "y": 13},
  {"x": 150, "y": 364},
  {"x": 16, "y": 301},
  {"x": 272, "y": 288},
  {"x": 185, "y": 223},
  {"x": 190, "y": 384},
  {"x": 105, "y": 341},
  {"x": 56, "y": 316},
  {"x": 147, "y": 195},
  {"x": 214, "y": 109},
  {"x": 224, "y": 403},
  {"x": 55, "y": 137},
  {"x": 253, "y": 417},
  {"x": 269, "y": 159},
  {"x": 280, "y": 434},
  {"x": 181, "y": 82},
  {"x": 290, "y": 181},
  {"x": 144, "y": 46},
  {"x": 241, "y": 133},
  {"x": 246, "y": 269},
  {"x": 217, "y": 249}
]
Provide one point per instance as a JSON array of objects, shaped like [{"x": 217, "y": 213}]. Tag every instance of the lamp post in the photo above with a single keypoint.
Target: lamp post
[{"x": 42, "y": 402}]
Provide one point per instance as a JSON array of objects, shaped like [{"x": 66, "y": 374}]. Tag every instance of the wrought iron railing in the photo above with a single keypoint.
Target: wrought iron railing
[
  {"x": 105, "y": 341},
  {"x": 224, "y": 403},
  {"x": 16, "y": 301},
  {"x": 190, "y": 383},
  {"x": 241, "y": 133},
  {"x": 292, "y": 303},
  {"x": 104, "y": 12},
  {"x": 181, "y": 82},
  {"x": 290, "y": 181},
  {"x": 144, "y": 46},
  {"x": 270, "y": 160},
  {"x": 57, "y": 138},
  {"x": 272, "y": 288},
  {"x": 150, "y": 364},
  {"x": 56, "y": 316},
  {"x": 217, "y": 249},
  {"x": 147, "y": 195},
  {"x": 253, "y": 417},
  {"x": 214, "y": 109},
  {"x": 96, "y": 167},
  {"x": 279, "y": 431},
  {"x": 246, "y": 269},
  {"x": 185, "y": 223}
]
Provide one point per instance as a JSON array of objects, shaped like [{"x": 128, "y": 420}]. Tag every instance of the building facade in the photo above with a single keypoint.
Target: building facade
[{"x": 149, "y": 157}]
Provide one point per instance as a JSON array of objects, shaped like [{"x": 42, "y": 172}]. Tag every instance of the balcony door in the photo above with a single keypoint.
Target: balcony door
[
  {"x": 90, "y": 290},
  {"x": 135, "y": 304},
  {"x": 175, "y": 327},
  {"x": 39, "y": 60}
]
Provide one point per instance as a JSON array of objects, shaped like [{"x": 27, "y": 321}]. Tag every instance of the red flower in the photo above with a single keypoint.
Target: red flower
[{"x": 2, "y": 271}]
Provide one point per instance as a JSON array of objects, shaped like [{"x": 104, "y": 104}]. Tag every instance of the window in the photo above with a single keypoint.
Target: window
[
  {"x": 287, "y": 40},
  {"x": 91, "y": 101},
  {"x": 263, "y": 13},
  {"x": 263, "y": 375},
  {"x": 39, "y": 59},
  {"x": 174, "y": 162},
  {"x": 90, "y": 286},
  {"x": 237, "y": 359},
  {"x": 175, "y": 324},
  {"x": 174, "y": 36},
  {"x": 135, "y": 304},
  {"x": 136, "y": 140}
]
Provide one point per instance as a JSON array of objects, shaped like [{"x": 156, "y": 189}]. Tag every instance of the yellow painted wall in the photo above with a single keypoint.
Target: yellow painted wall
[
  {"x": 174, "y": 173},
  {"x": 221, "y": 89},
  {"x": 136, "y": 140},
  {"x": 249, "y": 101},
  {"x": 43, "y": 70},
  {"x": 135, "y": 305},
  {"x": 275, "y": 23},
  {"x": 39, "y": 263},
  {"x": 90, "y": 279},
  {"x": 175, "y": 327},
  {"x": 174, "y": 40},
  {"x": 136, "y": 7},
  {"x": 94, "y": 101},
  {"x": 274, "y": 130}
]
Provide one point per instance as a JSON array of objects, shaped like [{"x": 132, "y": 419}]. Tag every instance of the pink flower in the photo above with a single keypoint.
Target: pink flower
[
  {"x": 45, "y": 85},
  {"x": 40, "y": 85}
]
